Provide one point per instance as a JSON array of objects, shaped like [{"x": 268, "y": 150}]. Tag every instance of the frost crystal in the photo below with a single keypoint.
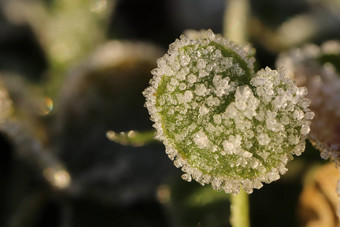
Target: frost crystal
[{"x": 226, "y": 125}]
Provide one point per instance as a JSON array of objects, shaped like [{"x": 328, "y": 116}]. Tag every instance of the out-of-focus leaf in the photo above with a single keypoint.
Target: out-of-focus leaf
[
  {"x": 316, "y": 68},
  {"x": 67, "y": 30},
  {"x": 105, "y": 93}
]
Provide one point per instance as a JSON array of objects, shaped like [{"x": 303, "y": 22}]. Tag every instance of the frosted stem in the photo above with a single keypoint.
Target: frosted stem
[
  {"x": 131, "y": 138},
  {"x": 239, "y": 210},
  {"x": 235, "y": 20},
  {"x": 30, "y": 147}
]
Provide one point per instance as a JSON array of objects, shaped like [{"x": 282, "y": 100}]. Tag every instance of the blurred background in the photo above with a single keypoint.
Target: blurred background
[{"x": 71, "y": 70}]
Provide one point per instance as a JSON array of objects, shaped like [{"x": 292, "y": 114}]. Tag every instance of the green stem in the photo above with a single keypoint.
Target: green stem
[
  {"x": 239, "y": 210},
  {"x": 236, "y": 20},
  {"x": 236, "y": 29}
]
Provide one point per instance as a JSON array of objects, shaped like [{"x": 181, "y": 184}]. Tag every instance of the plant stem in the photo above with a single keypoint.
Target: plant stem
[
  {"x": 239, "y": 210},
  {"x": 235, "y": 28},
  {"x": 236, "y": 20},
  {"x": 132, "y": 138}
]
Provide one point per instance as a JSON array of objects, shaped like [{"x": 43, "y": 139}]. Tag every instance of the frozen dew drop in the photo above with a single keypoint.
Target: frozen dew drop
[
  {"x": 217, "y": 119},
  {"x": 185, "y": 60},
  {"x": 309, "y": 115},
  {"x": 298, "y": 114},
  {"x": 228, "y": 147},
  {"x": 188, "y": 96},
  {"x": 201, "y": 140},
  {"x": 187, "y": 177},
  {"x": 191, "y": 78},
  {"x": 201, "y": 90},
  {"x": 263, "y": 139},
  {"x": 201, "y": 64},
  {"x": 203, "y": 110},
  {"x": 182, "y": 86},
  {"x": 305, "y": 129}
]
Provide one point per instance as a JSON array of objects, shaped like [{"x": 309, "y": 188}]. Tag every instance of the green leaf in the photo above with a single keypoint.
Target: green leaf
[{"x": 220, "y": 122}]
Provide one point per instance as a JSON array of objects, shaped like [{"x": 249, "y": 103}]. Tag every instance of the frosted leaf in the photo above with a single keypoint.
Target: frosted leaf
[
  {"x": 229, "y": 126},
  {"x": 317, "y": 68}
]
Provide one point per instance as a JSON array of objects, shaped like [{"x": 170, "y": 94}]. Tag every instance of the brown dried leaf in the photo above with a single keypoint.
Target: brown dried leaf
[{"x": 318, "y": 200}]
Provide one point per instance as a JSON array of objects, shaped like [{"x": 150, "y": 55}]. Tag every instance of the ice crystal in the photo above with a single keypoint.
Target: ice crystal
[
  {"x": 229, "y": 127},
  {"x": 315, "y": 68}
]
